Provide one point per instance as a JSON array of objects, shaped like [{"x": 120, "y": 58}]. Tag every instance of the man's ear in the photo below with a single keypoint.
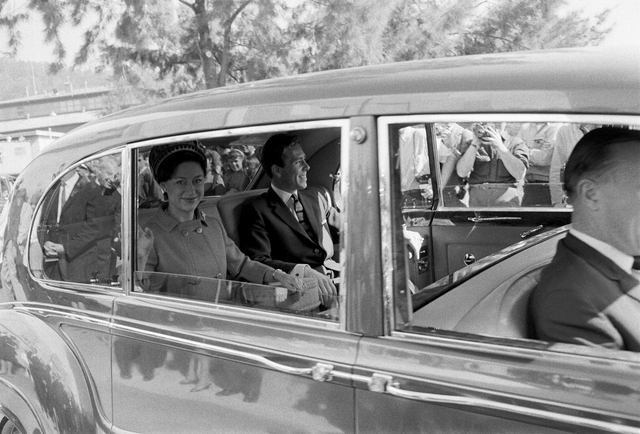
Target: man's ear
[
  {"x": 275, "y": 171},
  {"x": 589, "y": 193}
]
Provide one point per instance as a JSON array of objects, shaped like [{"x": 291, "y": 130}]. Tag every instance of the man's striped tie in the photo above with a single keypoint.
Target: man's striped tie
[{"x": 299, "y": 212}]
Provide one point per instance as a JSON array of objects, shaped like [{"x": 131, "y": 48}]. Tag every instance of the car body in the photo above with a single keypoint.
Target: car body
[{"x": 421, "y": 340}]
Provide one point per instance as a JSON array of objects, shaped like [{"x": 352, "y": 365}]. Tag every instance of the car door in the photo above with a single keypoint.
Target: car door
[
  {"x": 226, "y": 359},
  {"x": 435, "y": 378}
]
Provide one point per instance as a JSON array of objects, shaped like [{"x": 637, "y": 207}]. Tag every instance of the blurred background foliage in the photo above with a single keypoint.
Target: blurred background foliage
[{"x": 158, "y": 48}]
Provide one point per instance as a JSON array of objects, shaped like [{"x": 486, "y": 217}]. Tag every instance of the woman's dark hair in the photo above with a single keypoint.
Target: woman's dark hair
[
  {"x": 594, "y": 155},
  {"x": 273, "y": 149}
]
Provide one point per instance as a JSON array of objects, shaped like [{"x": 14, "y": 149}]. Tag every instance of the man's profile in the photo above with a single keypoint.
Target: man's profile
[{"x": 590, "y": 293}]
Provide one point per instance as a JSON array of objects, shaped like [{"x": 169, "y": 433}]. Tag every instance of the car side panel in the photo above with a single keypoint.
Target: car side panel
[
  {"x": 44, "y": 382},
  {"x": 157, "y": 342},
  {"x": 494, "y": 389}
]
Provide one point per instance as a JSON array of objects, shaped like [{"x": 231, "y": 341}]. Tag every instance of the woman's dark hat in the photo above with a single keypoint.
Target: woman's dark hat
[{"x": 160, "y": 153}]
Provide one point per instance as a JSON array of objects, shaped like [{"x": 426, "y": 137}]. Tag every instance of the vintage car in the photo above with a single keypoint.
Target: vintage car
[{"x": 429, "y": 331}]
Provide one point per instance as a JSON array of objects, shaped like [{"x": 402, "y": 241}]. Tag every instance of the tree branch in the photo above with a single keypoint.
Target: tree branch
[
  {"x": 187, "y": 4},
  {"x": 495, "y": 37}
]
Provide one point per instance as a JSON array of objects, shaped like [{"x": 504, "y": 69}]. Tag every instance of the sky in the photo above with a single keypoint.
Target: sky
[{"x": 625, "y": 20}]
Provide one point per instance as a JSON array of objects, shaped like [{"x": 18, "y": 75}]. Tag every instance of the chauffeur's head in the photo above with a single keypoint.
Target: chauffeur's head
[
  {"x": 602, "y": 181},
  {"x": 285, "y": 162}
]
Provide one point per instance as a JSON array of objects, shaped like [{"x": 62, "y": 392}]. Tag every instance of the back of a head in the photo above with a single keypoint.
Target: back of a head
[{"x": 595, "y": 155}]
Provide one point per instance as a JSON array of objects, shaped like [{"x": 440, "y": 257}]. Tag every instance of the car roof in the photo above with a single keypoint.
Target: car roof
[{"x": 578, "y": 80}]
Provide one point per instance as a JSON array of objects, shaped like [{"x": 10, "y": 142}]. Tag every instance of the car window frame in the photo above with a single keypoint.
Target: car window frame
[
  {"x": 35, "y": 218},
  {"x": 397, "y": 299},
  {"x": 130, "y": 214}
]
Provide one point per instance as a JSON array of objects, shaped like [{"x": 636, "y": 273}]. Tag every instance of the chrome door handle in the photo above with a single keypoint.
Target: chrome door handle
[
  {"x": 491, "y": 219},
  {"x": 384, "y": 383},
  {"x": 530, "y": 232}
]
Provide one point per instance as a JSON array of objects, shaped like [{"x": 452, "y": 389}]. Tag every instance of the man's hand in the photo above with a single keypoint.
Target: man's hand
[
  {"x": 290, "y": 282},
  {"x": 493, "y": 139},
  {"x": 328, "y": 291},
  {"x": 52, "y": 249}
]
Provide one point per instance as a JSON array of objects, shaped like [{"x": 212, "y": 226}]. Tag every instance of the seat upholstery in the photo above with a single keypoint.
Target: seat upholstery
[
  {"x": 229, "y": 209},
  {"x": 505, "y": 311}
]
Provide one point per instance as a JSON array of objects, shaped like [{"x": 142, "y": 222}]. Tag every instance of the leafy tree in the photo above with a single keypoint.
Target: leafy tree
[
  {"x": 162, "y": 47},
  {"x": 510, "y": 25}
]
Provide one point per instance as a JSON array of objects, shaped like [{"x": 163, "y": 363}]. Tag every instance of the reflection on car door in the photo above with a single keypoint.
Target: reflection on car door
[
  {"x": 452, "y": 385},
  {"x": 260, "y": 366}
]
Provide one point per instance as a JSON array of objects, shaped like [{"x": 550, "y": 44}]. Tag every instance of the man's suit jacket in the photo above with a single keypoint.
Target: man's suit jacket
[
  {"x": 270, "y": 232},
  {"x": 57, "y": 268},
  {"x": 88, "y": 224},
  {"x": 583, "y": 297}
]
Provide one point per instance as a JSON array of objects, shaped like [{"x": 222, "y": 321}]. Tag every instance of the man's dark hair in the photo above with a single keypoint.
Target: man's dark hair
[
  {"x": 273, "y": 149},
  {"x": 594, "y": 155}
]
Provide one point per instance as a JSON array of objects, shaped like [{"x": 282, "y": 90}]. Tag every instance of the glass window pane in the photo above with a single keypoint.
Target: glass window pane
[{"x": 79, "y": 225}]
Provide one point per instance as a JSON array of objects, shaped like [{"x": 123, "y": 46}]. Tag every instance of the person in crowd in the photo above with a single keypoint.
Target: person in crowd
[
  {"x": 540, "y": 138},
  {"x": 495, "y": 167},
  {"x": 590, "y": 292},
  {"x": 568, "y": 136},
  {"x": 456, "y": 189},
  {"x": 213, "y": 183},
  {"x": 148, "y": 190},
  {"x": 251, "y": 162},
  {"x": 235, "y": 179},
  {"x": 287, "y": 226},
  {"x": 55, "y": 207},
  {"x": 415, "y": 182},
  {"x": 89, "y": 227},
  {"x": 180, "y": 240}
]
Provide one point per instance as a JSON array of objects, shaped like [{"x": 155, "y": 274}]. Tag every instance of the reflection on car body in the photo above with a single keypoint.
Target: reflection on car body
[{"x": 430, "y": 331}]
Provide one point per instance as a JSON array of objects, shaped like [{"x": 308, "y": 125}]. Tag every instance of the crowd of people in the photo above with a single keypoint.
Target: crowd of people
[{"x": 490, "y": 164}]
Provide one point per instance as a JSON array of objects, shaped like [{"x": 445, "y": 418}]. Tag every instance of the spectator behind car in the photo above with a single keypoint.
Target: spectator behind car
[
  {"x": 235, "y": 178},
  {"x": 590, "y": 293},
  {"x": 568, "y": 136},
  {"x": 89, "y": 224},
  {"x": 495, "y": 167}
]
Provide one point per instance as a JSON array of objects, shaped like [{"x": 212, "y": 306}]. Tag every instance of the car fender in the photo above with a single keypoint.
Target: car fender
[{"x": 43, "y": 387}]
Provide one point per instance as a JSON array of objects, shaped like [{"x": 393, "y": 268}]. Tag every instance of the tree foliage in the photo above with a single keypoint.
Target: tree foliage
[{"x": 163, "y": 47}]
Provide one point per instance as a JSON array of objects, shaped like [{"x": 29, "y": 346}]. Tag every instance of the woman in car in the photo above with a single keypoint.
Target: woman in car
[
  {"x": 179, "y": 239},
  {"x": 181, "y": 242}
]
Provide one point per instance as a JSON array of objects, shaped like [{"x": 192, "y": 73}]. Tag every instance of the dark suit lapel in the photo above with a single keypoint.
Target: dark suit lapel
[
  {"x": 283, "y": 211},
  {"x": 601, "y": 263}
]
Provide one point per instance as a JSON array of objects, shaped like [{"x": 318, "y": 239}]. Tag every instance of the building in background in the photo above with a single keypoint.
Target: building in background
[{"x": 28, "y": 125}]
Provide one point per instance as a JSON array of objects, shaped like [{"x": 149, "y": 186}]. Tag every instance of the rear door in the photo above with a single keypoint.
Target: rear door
[{"x": 223, "y": 356}]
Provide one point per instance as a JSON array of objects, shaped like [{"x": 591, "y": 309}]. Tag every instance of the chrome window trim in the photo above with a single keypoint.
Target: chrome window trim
[
  {"x": 343, "y": 124},
  {"x": 231, "y": 132},
  {"x": 235, "y": 311},
  {"x": 76, "y": 286},
  {"x": 384, "y": 173}
]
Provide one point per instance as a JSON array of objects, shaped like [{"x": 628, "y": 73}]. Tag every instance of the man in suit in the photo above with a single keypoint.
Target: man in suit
[
  {"x": 288, "y": 227},
  {"x": 89, "y": 227},
  {"x": 57, "y": 206},
  {"x": 590, "y": 293}
]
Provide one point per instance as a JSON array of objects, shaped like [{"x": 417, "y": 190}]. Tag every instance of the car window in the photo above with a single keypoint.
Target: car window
[
  {"x": 445, "y": 206},
  {"x": 77, "y": 233},
  {"x": 204, "y": 260}
]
